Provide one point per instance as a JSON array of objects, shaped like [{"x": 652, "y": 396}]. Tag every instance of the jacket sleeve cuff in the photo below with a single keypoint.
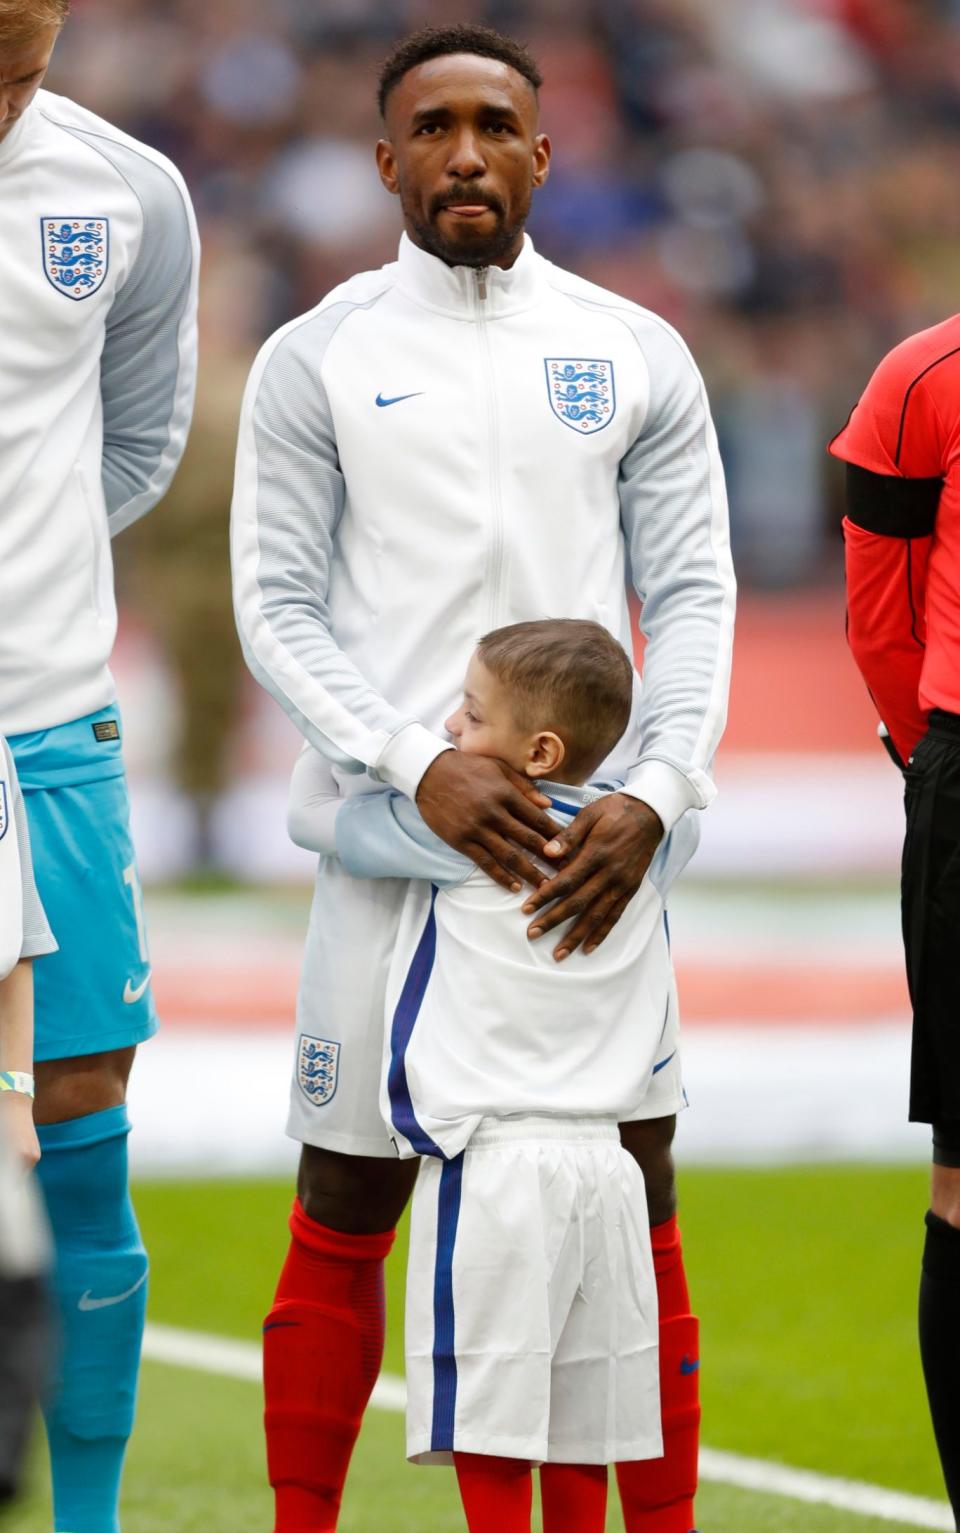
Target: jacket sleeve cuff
[
  {"x": 668, "y": 791},
  {"x": 406, "y": 756}
]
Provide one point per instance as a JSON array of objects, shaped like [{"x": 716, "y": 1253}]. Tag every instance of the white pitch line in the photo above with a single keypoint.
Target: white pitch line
[
  {"x": 241, "y": 1360},
  {"x": 825, "y": 1490}
]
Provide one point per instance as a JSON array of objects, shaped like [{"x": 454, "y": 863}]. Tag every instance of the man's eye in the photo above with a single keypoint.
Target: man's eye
[
  {"x": 427, "y": 127},
  {"x": 500, "y": 127}
]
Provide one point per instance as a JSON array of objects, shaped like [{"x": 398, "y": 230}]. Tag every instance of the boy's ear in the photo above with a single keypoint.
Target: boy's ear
[{"x": 545, "y": 754}]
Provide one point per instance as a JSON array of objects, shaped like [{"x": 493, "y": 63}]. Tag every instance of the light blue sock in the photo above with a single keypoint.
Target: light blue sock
[{"x": 100, "y": 1282}]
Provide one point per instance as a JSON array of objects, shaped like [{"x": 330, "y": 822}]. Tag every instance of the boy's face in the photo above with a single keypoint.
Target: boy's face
[{"x": 484, "y": 725}]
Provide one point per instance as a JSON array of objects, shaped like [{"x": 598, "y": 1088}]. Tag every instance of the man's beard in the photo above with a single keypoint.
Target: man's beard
[{"x": 476, "y": 249}]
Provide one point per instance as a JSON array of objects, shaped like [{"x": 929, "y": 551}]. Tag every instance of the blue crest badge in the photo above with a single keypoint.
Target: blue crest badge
[
  {"x": 4, "y": 810},
  {"x": 582, "y": 392},
  {"x": 76, "y": 254},
  {"x": 318, "y": 1063}
]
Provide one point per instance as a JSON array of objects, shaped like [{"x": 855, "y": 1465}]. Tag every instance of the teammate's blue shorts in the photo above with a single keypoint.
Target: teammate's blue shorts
[{"x": 94, "y": 994}]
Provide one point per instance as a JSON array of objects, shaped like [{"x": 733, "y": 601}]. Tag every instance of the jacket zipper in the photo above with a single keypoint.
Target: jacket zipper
[{"x": 494, "y": 570}]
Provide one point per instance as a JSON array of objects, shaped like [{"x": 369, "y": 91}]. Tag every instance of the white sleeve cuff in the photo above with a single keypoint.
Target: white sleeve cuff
[
  {"x": 406, "y": 756},
  {"x": 668, "y": 791}
]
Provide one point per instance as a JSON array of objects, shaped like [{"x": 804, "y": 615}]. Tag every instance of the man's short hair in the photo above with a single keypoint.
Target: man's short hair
[
  {"x": 433, "y": 42},
  {"x": 568, "y": 675},
  {"x": 22, "y": 20}
]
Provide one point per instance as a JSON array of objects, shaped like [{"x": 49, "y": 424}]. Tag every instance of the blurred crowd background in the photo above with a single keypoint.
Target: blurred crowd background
[{"x": 779, "y": 178}]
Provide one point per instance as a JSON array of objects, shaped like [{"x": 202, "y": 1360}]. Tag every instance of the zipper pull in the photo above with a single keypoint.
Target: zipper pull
[{"x": 481, "y": 283}]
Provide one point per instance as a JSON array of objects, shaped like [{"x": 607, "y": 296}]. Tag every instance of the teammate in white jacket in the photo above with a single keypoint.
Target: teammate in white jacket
[
  {"x": 97, "y": 313},
  {"x": 466, "y": 438}
]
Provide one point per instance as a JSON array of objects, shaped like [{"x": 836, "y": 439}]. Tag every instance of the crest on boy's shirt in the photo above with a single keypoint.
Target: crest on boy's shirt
[
  {"x": 318, "y": 1063},
  {"x": 4, "y": 809},
  {"x": 76, "y": 254},
  {"x": 582, "y": 392}
]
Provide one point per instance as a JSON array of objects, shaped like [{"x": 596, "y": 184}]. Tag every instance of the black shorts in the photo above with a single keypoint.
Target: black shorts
[{"x": 930, "y": 894}]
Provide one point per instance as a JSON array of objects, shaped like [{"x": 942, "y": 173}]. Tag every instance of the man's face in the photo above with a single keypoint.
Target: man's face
[
  {"x": 464, "y": 156},
  {"x": 22, "y": 68}
]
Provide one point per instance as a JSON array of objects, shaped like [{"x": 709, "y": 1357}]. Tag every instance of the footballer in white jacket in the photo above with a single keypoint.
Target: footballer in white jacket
[
  {"x": 466, "y": 438},
  {"x": 98, "y": 317}
]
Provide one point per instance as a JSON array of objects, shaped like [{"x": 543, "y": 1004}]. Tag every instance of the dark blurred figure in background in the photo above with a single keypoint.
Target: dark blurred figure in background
[
  {"x": 776, "y": 177},
  {"x": 25, "y": 1319}
]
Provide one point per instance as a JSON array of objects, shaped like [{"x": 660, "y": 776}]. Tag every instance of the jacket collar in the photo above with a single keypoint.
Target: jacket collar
[{"x": 455, "y": 290}]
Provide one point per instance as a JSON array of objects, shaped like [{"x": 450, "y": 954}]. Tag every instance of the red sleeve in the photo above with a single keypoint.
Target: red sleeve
[
  {"x": 895, "y": 444},
  {"x": 886, "y": 630}
]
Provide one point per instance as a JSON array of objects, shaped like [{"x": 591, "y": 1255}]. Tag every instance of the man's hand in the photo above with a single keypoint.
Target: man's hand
[
  {"x": 608, "y": 848},
  {"x": 484, "y": 809}
]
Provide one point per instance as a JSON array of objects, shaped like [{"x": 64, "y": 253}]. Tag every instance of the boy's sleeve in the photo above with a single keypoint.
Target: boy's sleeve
[
  {"x": 313, "y": 804},
  {"x": 382, "y": 835},
  {"x": 375, "y": 835}
]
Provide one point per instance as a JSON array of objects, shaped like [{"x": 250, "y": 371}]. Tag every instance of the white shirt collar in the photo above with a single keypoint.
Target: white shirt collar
[{"x": 456, "y": 290}]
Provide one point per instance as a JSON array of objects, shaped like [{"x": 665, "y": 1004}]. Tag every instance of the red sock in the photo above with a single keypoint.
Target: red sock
[
  {"x": 574, "y": 1497},
  {"x": 322, "y": 1346},
  {"x": 657, "y": 1494},
  {"x": 497, "y": 1493}
]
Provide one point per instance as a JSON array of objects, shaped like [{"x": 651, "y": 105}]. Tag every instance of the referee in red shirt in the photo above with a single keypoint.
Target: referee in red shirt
[{"x": 902, "y": 535}]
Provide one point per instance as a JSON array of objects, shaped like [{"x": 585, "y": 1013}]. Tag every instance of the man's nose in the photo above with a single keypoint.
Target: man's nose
[{"x": 466, "y": 156}]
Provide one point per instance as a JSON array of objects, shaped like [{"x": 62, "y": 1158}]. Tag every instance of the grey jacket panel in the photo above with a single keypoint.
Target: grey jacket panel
[
  {"x": 149, "y": 362},
  {"x": 674, "y": 518},
  {"x": 299, "y": 502}
]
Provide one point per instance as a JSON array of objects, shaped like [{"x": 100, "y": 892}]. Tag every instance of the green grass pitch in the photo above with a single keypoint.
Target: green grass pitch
[{"x": 804, "y": 1278}]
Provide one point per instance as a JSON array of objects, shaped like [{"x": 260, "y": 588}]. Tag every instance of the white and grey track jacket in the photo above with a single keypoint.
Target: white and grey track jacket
[
  {"x": 435, "y": 451},
  {"x": 98, "y": 288}
]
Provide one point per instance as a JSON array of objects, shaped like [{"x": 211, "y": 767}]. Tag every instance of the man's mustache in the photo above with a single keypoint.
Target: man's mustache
[{"x": 473, "y": 195}]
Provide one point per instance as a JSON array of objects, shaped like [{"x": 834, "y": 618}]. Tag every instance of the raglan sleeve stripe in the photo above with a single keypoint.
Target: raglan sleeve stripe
[
  {"x": 287, "y": 504},
  {"x": 675, "y": 521},
  {"x": 148, "y": 367}
]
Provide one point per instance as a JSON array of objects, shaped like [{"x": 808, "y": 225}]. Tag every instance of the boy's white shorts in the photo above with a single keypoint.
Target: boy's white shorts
[
  {"x": 338, "y": 1052},
  {"x": 531, "y": 1327}
]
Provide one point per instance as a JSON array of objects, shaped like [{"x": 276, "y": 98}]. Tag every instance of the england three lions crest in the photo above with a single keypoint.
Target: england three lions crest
[
  {"x": 582, "y": 392},
  {"x": 318, "y": 1064},
  {"x": 76, "y": 254}
]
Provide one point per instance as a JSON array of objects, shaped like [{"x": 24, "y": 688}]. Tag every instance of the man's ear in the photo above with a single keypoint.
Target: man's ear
[
  {"x": 387, "y": 166},
  {"x": 545, "y": 754}
]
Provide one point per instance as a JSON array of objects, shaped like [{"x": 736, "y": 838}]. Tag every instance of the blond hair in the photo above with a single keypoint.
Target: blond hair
[{"x": 22, "y": 20}]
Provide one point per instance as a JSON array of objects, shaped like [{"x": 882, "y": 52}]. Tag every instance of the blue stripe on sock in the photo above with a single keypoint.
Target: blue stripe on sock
[{"x": 444, "y": 1355}]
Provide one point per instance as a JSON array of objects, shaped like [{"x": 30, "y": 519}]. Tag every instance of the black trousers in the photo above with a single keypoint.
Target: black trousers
[{"x": 930, "y": 893}]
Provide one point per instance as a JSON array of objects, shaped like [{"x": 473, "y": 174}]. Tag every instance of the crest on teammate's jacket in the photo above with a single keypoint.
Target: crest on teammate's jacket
[
  {"x": 76, "y": 254},
  {"x": 318, "y": 1064},
  {"x": 582, "y": 392},
  {"x": 4, "y": 809}
]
